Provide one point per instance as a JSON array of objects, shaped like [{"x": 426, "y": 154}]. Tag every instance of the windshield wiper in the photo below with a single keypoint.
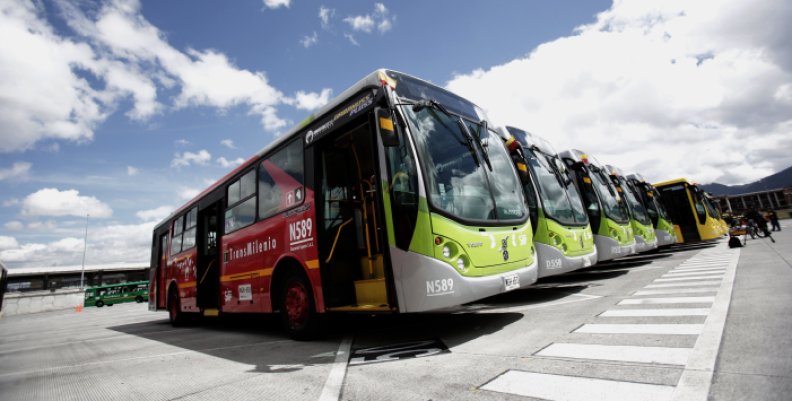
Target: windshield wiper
[
  {"x": 434, "y": 105},
  {"x": 483, "y": 127}
]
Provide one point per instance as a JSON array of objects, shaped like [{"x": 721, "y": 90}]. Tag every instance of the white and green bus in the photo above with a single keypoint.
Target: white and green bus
[
  {"x": 394, "y": 197},
  {"x": 645, "y": 238},
  {"x": 562, "y": 234},
  {"x": 608, "y": 216},
  {"x": 664, "y": 227}
]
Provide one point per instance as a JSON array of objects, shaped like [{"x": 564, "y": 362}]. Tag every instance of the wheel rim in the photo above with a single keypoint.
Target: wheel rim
[{"x": 296, "y": 304}]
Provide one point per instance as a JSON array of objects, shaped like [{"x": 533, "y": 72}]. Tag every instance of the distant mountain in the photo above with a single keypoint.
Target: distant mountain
[{"x": 781, "y": 179}]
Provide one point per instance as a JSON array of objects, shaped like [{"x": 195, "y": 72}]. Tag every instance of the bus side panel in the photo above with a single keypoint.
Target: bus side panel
[{"x": 181, "y": 269}]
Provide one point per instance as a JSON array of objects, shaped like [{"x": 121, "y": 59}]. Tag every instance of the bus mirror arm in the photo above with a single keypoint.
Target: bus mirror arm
[{"x": 386, "y": 128}]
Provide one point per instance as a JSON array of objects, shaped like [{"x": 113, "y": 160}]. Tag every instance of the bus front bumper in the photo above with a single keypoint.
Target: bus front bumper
[
  {"x": 552, "y": 261},
  {"x": 664, "y": 238},
  {"x": 608, "y": 248},
  {"x": 642, "y": 245},
  {"x": 423, "y": 283}
]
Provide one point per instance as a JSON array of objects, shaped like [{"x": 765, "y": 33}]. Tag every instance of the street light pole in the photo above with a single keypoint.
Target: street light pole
[{"x": 85, "y": 248}]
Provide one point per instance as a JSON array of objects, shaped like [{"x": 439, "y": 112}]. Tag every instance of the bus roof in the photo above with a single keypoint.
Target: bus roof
[
  {"x": 672, "y": 182},
  {"x": 579, "y": 155},
  {"x": 529, "y": 139}
]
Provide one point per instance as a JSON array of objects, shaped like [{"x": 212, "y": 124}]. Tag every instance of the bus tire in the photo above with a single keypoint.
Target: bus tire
[
  {"x": 297, "y": 307},
  {"x": 99, "y": 304},
  {"x": 109, "y": 304},
  {"x": 175, "y": 315},
  {"x": 138, "y": 299}
]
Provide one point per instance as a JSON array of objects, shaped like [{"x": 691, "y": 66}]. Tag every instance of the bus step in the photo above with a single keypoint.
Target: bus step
[{"x": 211, "y": 312}]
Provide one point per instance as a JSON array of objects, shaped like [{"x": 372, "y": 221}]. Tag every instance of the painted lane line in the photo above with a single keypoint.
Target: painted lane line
[
  {"x": 693, "y": 284},
  {"x": 572, "y": 388},
  {"x": 655, "y": 312},
  {"x": 566, "y": 300},
  {"x": 676, "y": 291},
  {"x": 687, "y": 278},
  {"x": 669, "y": 300},
  {"x": 710, "y": 269},
  {"x": 693, "y": 274},
  {"x": 623, "y": 353},
  {"x": 693, "y": 329},
  {"x": 696, "y": 379},
  {"x": 335, "y": 380}
]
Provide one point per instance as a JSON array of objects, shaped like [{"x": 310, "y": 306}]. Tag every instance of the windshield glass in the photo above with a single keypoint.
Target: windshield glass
[
  {"x": 637, "y": 209},
  {"x": 609, "y": 198},
  {"x": 456, "y": 166},
  {"x": 557, "y": 201}
]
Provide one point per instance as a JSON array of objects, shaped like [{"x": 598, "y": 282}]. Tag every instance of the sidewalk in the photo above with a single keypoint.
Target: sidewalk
[{"x": 755, "y": 358}]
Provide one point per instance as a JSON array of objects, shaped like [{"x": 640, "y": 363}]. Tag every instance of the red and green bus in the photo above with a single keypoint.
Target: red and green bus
[{"x": 392, "y": 198}]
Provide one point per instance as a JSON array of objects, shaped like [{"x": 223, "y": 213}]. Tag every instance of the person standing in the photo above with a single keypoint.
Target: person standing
[{"x": 773, "y": 216}]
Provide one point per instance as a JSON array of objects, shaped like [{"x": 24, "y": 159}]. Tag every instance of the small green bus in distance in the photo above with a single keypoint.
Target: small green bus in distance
[
  {"x": 664, "y": 227},
  {"x": 562, "y": 234},
  {"x": 111, "y": 294},
  {"x": 645, "y": 238},
  {"x": 608, "y": 216}
]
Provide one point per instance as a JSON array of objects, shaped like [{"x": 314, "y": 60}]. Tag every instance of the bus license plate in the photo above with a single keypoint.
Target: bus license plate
[{"x": 510, "y": 282}]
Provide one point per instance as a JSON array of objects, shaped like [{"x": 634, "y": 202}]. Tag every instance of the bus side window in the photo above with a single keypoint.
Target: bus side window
[
  {"x": 176, "y": 241},
  {"x": 241, "y": 210},
  {"x": 403, "y": 188},
  {"x": 189, "y": 229},
  {"x": 281, "y": 180}
]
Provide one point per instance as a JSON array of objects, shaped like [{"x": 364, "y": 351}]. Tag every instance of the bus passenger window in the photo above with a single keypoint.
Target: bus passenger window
[
  {"x": 176, "y": 241},
  {"x": 190, "y": 226},
  {"x": 281, "y": 180},
  {"x": 243, "y": 212}
]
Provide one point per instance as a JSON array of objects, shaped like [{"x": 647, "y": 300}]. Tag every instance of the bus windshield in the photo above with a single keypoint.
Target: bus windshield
[
  {"x": 607, "y": 194},
  {"x": 559, "y": 202},
  {"x": 636, "y": 207},
  {"x": 466, "y": 178}
]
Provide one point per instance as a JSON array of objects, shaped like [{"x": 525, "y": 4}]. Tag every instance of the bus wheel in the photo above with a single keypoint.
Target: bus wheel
[
  {"x": 175, "y": 314},
  {"x": 138, "y": 299},
  {"x": 99, "y": 304},
  {"x": 297, "y": 308}
]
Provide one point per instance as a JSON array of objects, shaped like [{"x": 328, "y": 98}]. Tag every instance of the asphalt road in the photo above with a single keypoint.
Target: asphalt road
[{"x": 694, "y": 323}]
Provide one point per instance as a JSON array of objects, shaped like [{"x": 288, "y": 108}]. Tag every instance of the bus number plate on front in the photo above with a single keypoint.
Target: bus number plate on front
[{"x": 511, "y": 282}]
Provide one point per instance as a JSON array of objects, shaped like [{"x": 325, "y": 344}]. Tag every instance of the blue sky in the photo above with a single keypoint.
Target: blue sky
[{"x": 125, "y": 110}]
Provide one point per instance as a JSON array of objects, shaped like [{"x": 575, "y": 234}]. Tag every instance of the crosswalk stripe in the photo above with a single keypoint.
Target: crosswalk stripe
[
  {"x": 668, "y": 300},
  {"x": 687, "y": 278},
  {"x": 676, "y": 291},
  {"x": 691, "y": 284},
  {"x": 681, "y": 328},
  {"x": 655, "y": 312},
  {"x": 624, "y": 353},
  {"x": 572, "y": 388},
  {"x": 709, "y": 269},
  {"x": 689, "y": 274}
]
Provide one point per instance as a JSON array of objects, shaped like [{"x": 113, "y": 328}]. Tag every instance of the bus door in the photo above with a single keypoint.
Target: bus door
[
  {"x": 678, "y": 202},
  {"x": 208, "y": 264},
  {"x": 351, "y": 229},
  {"x": 157, "y": 283}
]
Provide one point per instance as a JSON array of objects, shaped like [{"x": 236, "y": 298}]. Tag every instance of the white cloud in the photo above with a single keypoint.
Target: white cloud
[
  {"x": 362, "y": 23},
  {"x": 186, "y": 158},
  {"x": 273, "y": 4},
  {"x": 16, "y": 171},
  {"x": 667, "y": 89},
  {"x": 48, "y": 225},
  {"x": 132, "y": 171},
  {"x": 351, "y": 39},
  {"x": 64, "y": 87},
  {"x": 325, "y": 14},
  {"x": 10, "y": 202},
  {"x": 182, "y": 142},
  {"x": 310, "y": 40},
  {"x": 156, "y": 214},
  {"x": 14, "y": 225},
  {"x": 52, "y": 202},
  {"x": 230, "y": 163},
  {"x": 229, "y": 143},
  {"x": 7, "y": 242},
  {"x": 186, "y": 193},
  {"x": 310, "y": 100}
]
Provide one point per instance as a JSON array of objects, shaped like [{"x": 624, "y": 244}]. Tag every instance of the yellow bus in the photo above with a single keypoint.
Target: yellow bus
[{"x": 695, "y": 218}]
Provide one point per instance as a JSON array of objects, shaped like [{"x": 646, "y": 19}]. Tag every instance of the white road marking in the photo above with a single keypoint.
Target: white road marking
[
  {"x": 335, "y": 380},
  {"x": 676, "y": 291},
  {"x": 571, "y": 388},
  {"x": 689, "y": 274},
  {"x": 668, "y": 300},
  {"x": 624, "y": 353},
  {"x": 696, "y": 379},
  {"x": 709, "y": 269},
  {"x": 655, "y": 312},
  {"x": 693, "y": 284},
  {"x": 640, "y": 328},
  {"x": 687, "y": 278},
  {"x": 566, "y": 300}
]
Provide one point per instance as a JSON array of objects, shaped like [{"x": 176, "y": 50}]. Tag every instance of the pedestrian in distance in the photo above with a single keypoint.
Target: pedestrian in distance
[
  {"x": 773, "y": 216},
  {"x": 756, "y": 218}
]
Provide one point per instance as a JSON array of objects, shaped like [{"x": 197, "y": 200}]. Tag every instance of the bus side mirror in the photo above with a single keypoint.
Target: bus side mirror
[{"x": 385, "y": 127}]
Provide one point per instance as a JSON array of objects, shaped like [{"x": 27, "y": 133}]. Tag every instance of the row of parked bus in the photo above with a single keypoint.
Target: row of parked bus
[{"x": 400, "y": 196}]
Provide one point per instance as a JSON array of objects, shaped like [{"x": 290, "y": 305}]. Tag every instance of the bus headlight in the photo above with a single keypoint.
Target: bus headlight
[
  {"x": 446, "y": 252},
  {"x": 461, "y": 264}
]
